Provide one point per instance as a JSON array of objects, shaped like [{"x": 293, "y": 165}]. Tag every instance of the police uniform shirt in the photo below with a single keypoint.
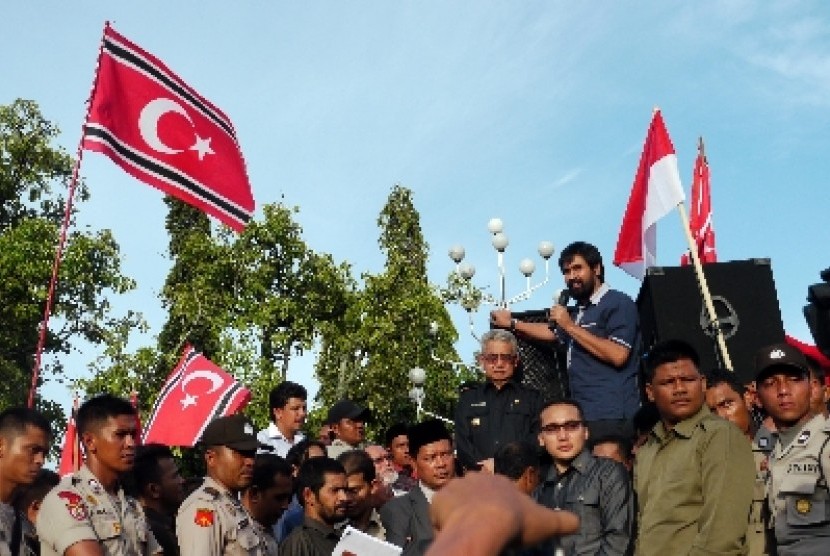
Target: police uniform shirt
[
  {"x": 213, "y": 522},
  {"x": 797, "y": 492},
  {"x": 79, "y": 509},
  {"x": 267, "y": 542}
]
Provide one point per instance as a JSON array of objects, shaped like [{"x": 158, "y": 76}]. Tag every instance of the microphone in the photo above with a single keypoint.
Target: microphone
[{"x": 560, "y": 298}]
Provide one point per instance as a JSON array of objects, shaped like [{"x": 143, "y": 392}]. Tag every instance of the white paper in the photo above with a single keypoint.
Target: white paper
[{"x": 357, "y": 543}]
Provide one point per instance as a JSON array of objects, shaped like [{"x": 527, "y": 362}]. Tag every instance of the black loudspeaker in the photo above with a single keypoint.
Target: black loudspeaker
[
  {"x": 542, "y": 363},
  {"x": 743, "y": 293}
]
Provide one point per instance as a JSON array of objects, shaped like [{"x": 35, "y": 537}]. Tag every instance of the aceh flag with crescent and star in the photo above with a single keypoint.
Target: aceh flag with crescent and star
[
  {"x": 162, "y": 132},
  {"x": 655, "y": 192},
  {"x": 700, "y": 217},
  {"x": 195, "y": 393}
]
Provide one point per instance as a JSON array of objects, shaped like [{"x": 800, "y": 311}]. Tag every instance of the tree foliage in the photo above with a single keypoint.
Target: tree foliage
[
  {"x": 367, "y": 355},
  {"x": 34, "y": 173}
]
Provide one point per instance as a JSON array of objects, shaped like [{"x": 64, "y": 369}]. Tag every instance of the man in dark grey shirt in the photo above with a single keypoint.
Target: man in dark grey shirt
[
  {"x": 321, "y": 486},
  {"x": 597, "y": 489}
]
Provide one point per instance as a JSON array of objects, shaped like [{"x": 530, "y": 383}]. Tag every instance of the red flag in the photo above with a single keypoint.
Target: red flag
[
  {"x": 655, "y": 192},
  {"x": 71, "y": 452},
  {"x": 162, "y": 132},
  {"x": 195, "y": 393},
  {"x": 700, "y": 219}
]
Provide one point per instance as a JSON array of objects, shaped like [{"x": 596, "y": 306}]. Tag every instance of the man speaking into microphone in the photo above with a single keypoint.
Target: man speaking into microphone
[{"x": 602, "y": 337}]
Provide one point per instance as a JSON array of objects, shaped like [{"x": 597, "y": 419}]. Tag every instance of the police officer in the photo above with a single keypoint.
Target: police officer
[
  {"x": 212, "y": 521},
  {"x": 799, "y": 463},
  {"x": 88, "y": 511}
]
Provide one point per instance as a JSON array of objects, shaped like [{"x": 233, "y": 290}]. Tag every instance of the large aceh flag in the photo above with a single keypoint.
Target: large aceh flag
[
  {"x": 655, "y": 192},
  {"x": 195, "y": 393},
  {"x": 700, "y": 217},
  {"x": 161, "y": 131}
]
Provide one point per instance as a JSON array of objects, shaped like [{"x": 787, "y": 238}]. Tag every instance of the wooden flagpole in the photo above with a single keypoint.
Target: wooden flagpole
[
  {"x": 67, "y": 217},
  {"x": 703, "y": 284}
]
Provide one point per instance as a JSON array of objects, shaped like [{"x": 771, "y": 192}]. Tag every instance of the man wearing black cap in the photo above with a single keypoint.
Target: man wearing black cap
[
  {"x": 348, "y": 423},
  {"x": 212, "y": 520},
  {"x": 799, "y": 464},
  {"x": 406, "y": 518}
]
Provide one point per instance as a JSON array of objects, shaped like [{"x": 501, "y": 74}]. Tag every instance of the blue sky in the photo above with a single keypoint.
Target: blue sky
[{"x": 534, "y": 112}]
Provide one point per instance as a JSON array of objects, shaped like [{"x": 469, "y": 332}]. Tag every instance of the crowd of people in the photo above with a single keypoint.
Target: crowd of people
[{"x": 651, "y": 455}]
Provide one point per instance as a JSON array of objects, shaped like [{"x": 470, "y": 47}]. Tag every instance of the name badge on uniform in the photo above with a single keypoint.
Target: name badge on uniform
[
  {"x": 479, "y": 404},
  {"x": 475, "y": 421},
  {"x": 803, "y": 438},
  {"x": 763, "y": 442}
]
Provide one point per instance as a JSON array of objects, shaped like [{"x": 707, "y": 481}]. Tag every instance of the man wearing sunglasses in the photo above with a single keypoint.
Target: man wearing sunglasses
[
  {"x": 497, "y": 411},
  {"x": 596, "y": 489}
]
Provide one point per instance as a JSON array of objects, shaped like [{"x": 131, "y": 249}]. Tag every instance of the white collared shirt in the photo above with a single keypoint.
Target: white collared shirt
[{"x": 273, "y": 436}]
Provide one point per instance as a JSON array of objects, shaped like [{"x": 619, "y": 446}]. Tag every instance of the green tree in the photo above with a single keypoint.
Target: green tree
[
  {"x": 31, "y": 212},
  {"x": 386, "y": 330}
]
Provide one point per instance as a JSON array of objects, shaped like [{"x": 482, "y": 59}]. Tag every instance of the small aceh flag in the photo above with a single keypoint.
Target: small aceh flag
[
  {"x": 71, "y": 452},
  {"x": 700, "y": 217},
  {"x": 655, "y": 192},
  {"x": 195, "y": 393},
  {"x": 162, "y": 132}
]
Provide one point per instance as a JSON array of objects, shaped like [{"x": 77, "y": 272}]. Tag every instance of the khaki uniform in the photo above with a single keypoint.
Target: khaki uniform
[
  {"x": 797, "y": 491},
  {"x": 79, "y": 509},
  {"x": 694, "y": 486},
  {"x": 213, "y": 522}
]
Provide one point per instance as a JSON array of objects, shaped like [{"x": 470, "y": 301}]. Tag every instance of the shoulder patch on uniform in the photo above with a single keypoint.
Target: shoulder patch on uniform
[
  {"x": 74, "y": 504},
  {"x": 803, "y": 438},
  {"x": 203, "y": 517}
]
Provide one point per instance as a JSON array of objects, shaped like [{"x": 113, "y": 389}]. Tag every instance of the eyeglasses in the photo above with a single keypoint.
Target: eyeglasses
[
  {"x": 495, "y": 357},
  {"x": 567, "y": 426}
]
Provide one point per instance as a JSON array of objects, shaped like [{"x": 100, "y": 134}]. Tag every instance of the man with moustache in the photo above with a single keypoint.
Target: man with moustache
[
  {"x": 287, "y": 402},
  {"x": 406, "y": 518},
  {"x": 212, "y": 521},
  {"x": 88, "y": 513},
  {"x": 596, "y": 489},
  {"x": 602, "y": 336},
  {"x": 24, "y": 442},
  {"x": 497, "y": 411},
  {"x": 361, "y": 481},
  {"x": 694, "y": 474},
  {"x": 324, "y": 494},
  {"x": 799, "y": 463},
  {"x": 726, "y": 397}
]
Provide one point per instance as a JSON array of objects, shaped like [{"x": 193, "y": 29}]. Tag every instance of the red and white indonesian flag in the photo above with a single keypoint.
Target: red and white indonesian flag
[
  {"x": 700, "y": 217},
  {"x": 656, "y": 191},
  {"x": 195, "y": 393},
  {"x": 162, "y": 132}
]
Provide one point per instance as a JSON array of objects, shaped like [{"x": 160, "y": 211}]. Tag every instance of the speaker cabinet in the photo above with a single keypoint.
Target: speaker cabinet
[
  {"x": 542, "y": 363},
  {"x": 743, "y": 292}
]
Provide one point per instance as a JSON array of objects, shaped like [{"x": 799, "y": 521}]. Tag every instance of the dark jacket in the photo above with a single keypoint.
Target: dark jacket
[
  {"x": 407, "y": 523},
  {"x": 599, "y": 491},
  {"x": 487, "y": 417}
]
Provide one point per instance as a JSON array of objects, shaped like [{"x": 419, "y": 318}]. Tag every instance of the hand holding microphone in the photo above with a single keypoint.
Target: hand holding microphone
[{"x": 559, "y": 316}]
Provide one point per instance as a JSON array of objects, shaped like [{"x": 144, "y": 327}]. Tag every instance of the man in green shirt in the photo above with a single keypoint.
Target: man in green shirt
[{"x": 694, "y": 475}]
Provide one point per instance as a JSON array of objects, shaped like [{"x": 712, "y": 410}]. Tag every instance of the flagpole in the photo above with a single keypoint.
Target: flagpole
[
  {"x": 704, "y": 286},
  {"x": 67, "y": 216}
]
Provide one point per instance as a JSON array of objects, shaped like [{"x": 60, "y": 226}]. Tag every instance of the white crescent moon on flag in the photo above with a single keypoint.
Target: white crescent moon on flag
[
  {"x": 148, "y": 122},
  {"x": 215, "y": 380}
]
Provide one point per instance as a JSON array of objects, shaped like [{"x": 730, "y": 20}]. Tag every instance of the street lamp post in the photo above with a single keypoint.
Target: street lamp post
[{"x": 418, "y": 376}]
